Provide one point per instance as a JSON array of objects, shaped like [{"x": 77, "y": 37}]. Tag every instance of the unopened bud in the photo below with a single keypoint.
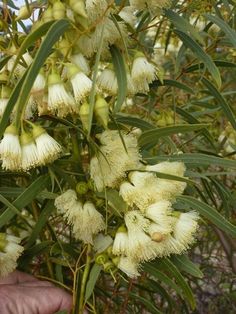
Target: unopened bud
[
  {"x": 24, "y": 13},
  {"x": 78, "y": 6},
  {"x": 157, "y": 237},
  {"x": 47, "y": 15},
  {"x": 81, "y": 188},
  {"x": 101, "y": 259},
  {"x": 101, "y": 110},
  {"x": 58, "y": 10},
  {"x": 109, "y": 267},
  {"x": 84, "y": 115}
]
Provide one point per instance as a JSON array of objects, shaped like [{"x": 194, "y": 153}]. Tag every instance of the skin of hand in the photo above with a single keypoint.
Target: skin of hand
[{"x": 21, "y": 293}]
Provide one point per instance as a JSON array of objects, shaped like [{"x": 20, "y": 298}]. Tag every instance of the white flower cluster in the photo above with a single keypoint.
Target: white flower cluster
[
  {"x": 28, "y": 150},
  {"x": 10, "y": 251},
  {"x": 86, "y": 221},
  {"x": 152, "y": 228},
  {"x": 117, "y": 154}
]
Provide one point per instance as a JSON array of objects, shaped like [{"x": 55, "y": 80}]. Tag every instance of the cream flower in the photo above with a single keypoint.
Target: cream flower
[
  {"x": 107, "y": 81},
  {"x": 140, "y": 245},
  {"x": 129, "y": 266},
  {"x": 185, "y": 228},
  {"x": 145, "y": 188},
  {"x": 142, "y": 73},
  {"x": 29, "y": 152},
  {"x": 39, "y": 84},
  {"x": 120, "y": 245},
  {"x": 90, "y": 223},
  {"x": 81, "y": 62},
  {"x": 159, "y": 213},
  {"x": 10, "y": 251},
  {"x": 81, "y": 84},
  {"x": 59, "y": 100},
  {"x": 48, "y": 149},
  {"x": 3, "y": 105},
  {"x": 114, "y": 158},
  {"x": 10, "y": 149},
  {"x": 95, "y": 8},
  {"x": 127, "y": 14},
  {"x": 65, "y": 201}
]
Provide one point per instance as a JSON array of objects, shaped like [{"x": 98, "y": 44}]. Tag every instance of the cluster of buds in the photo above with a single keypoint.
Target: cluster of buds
[
  {"x": 228, "y": 139},
  {"x": 165, "y": 118},
  {"x": 151, "y": 228},
  {"x": 27, "y": 150},
  {"x": 10, "y": 251}
]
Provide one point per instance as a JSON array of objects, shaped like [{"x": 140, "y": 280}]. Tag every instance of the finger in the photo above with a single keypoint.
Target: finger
[
  {"x": 17, "y": 277},
  {"x": 47, "y": 299}
]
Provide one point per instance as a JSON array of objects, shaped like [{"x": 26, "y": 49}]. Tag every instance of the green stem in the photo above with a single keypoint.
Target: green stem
[{"x": 84, "y": 280}]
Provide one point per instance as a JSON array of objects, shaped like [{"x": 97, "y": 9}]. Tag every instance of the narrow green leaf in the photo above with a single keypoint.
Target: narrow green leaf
[
  {"x": 93, "y": 277},
  {"x": 218, "y": 63},
  {"x": 31, "y": 39},
  {"x": 10, "y": 105},
  {"x": 24, "y": 199},
  {"x": 133, "y": 121},
  {"x": 155, "y": 272},
  {"x": 183, "y": 25},
  {"x": 184, "y": 263},
  {"x": 4, "y": 61},
  {"x": 157, "y": 288},
  {"x": 93, "y": 89},
  {"x": 54, "y": 33},
  {"x": 147, "y": 303},
  {"x": 229, "y": 32},
  {"x": 210, "y": 213},
  {"x": 173, "y": 270},
  {"x": 151, "y": 137},
  {"x": 191, "y": 119},
  {"x": 41, "y": 222},
  {"x": 176, "y": 84},
  {"x": 14, "y": 209},
  {"x": 221, "y": 101},
  {"x": 201, "y": 55},
  {"x": 196, "y": 159},
  {"x": 120, "y": 70}
]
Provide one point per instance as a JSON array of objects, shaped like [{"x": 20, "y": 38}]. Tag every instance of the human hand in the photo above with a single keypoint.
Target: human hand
[{"x": 22, "y": 293}]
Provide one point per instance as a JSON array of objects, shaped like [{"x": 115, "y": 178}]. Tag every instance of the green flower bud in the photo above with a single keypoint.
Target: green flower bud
[
  {"x": 78, "y": 6},
  {"x": 24, "y": 13},
  {"x": 81, "y": 188},
  {"x": 84, "y": 115},
  {"x": 101, "y": 259},
  {"x": 47, "y": 15},
  {"x": 109, "y": 267},
  {"x": 101, "y": 110},
  {"x": 58, "y": 10}
]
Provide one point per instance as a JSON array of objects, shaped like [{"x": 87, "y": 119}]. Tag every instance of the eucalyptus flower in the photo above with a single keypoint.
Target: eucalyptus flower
[
  {"x": 10, "y": 149},
  {"x": 10, "y": 251}
]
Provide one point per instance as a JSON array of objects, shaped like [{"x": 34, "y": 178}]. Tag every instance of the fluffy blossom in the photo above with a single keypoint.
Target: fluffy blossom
[
  {"x": 10, "y": 250},
  {"x": 129, "y": 266},
  {"x": 59, "y": 100},
  {"x": 120, "y": 244},
  {"x": 48, "y": 149},
  {"x": 107, "y": 81},
  {"x": 145, "y": 188},
  {"x": 29, "y": 152},
  {"x": 81, "y": 62},
  {"x": 142, "y": 73},
  {"x": 114, "y": 158},
  {"x": 10, "y": 149},
  {"x": 86, "y": 221}
]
